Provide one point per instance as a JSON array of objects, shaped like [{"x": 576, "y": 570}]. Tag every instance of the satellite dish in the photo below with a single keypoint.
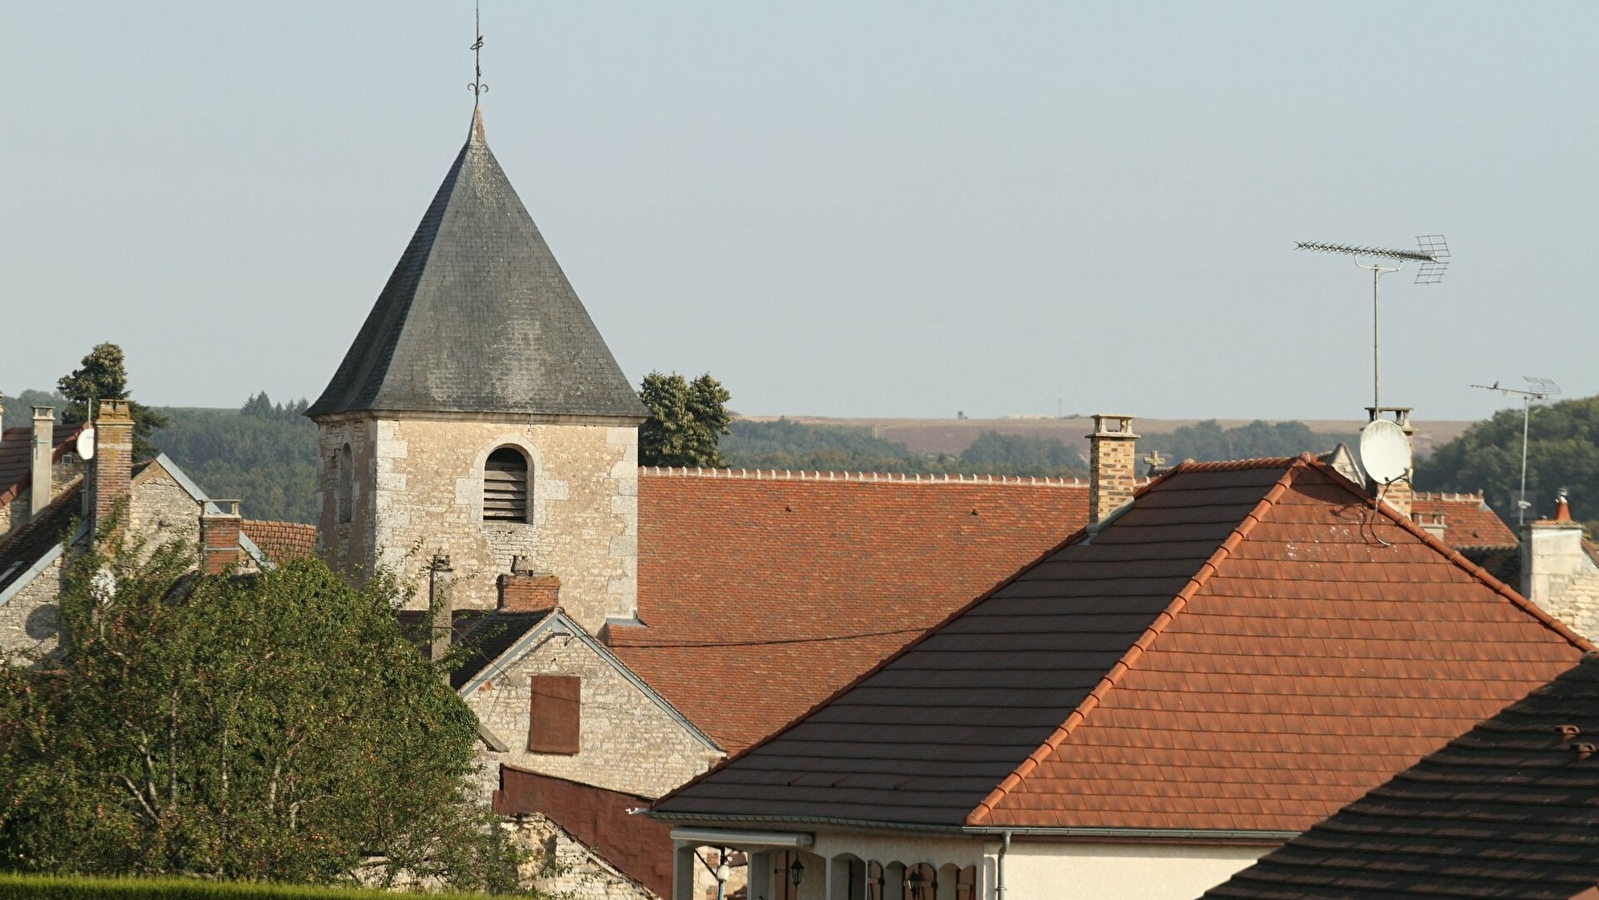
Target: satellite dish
[
  {"x": 1384, "y": 451},
  {"x": 86, "y": 444}
]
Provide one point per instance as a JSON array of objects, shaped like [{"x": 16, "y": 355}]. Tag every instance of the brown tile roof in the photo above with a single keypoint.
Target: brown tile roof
[
  {"x": 30, "y": 542},
  {"x": 1246, "y": 648},
  {"x": 637, "y": 846},
  {"x": 16, "y": 455},
  {"x": 764, "y": 594},
  {"x": 1468, "y": 522},
  {"x": 281, "y": 541},
  {"x": 1506, "y": 810}
]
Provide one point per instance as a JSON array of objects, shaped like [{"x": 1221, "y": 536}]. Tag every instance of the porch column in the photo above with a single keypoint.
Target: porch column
[
  {"x": 759, "y": 871},
  {"x": 683, "y": 863}
]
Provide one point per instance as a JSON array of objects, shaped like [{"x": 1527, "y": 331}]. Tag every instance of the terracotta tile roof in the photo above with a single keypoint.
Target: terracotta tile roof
[
  {"x": 281, "y": 541},
  {"x": 24, "y": 547},
  {"x": 16, "y": 455},
  {"x": 637, "y": 846},
  {"x": 1506, "y": 810},
  {"x": 1246, "y": 648},
  {"x": 1467, "y": 520},
  {"x": 744, "y": 576}
]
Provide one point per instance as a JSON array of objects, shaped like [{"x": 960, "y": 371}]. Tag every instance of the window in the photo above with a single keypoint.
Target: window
[
  {"x": 555, "y": 716},
  {"x": 505, "y": 486},
  {"x": 344, "y": 475}
]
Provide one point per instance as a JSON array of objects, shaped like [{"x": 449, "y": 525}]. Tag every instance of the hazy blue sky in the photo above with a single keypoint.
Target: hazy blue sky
[{"x": 837, "y": 208}]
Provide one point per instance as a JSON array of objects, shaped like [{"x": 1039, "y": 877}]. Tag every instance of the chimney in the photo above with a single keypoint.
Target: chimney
[
  {"x": 44, "y": 421},
  {"x": 1552, "y": 559},
  {"x": 219, "y": 536},
  {"x": 529, "y": 592},
  {"x": 1111, "y": 465},
  {"x": 113, "y": 459},
  {"x": 441, "y": 608}
]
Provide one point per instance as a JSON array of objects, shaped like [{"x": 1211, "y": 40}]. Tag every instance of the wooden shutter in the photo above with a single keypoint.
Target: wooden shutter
[
  {"x": 555, "y": 718},
  {"x": 505, "y": 486}
]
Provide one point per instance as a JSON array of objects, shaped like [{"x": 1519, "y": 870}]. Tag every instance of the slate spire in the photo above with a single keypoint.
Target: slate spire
[{"x": 479, "y": 317}]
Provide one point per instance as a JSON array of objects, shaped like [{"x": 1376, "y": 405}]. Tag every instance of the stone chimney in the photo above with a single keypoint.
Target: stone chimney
[
  {"x": 41, "y": 488},
  {"x": 219, "y": 537},
  {"x": 113, "y": 460},
  {"x": 1557, "y": 574},
  {"x": 529, "y": 592},
  {"x": 1112, "y": 467}
]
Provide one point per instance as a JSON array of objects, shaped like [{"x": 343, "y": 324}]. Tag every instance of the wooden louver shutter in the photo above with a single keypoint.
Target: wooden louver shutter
[
  {"x": 556, "y": 716},
  {"x": 505, "y": 486}
]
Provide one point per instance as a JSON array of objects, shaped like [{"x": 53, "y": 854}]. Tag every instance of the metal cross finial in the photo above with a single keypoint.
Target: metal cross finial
[{"x": 477, "y": 87}]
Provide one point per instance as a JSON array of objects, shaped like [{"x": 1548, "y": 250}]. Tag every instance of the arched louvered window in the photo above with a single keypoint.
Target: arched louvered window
[
  {"x": 344, "y": 473},
  {"x": 507, "y": 492}
]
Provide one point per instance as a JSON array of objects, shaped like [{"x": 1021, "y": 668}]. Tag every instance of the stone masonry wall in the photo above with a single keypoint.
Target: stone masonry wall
[
  {"x": 1560, "y": 577},
  {"x": 560, "y": 866},
  {"x": 627, "y": 742},
  {"x": 28, "y": 619},
  {"x": 162, "y": 511},
  {"x": 418, "y": 486}
]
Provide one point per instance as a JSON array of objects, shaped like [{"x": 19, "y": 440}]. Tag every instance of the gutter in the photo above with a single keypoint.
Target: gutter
[{"x": 1157, "y": 835}]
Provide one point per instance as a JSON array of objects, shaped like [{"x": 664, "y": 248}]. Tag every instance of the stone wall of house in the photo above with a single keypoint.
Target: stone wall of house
[
  {"x": 628, "y": 743},
  {"x": 161, "y": 511},
  {"x": 418, "y": 490},
  {"x": 28, "y": 619},
  {"x": 1560, "y": 577},
  {"x": 560, "y": 866}
]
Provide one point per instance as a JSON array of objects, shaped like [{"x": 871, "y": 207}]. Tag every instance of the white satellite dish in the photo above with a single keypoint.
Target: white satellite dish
[
  {"x": 86, "y": 444},
  {"x": 1384, "y": 451}
]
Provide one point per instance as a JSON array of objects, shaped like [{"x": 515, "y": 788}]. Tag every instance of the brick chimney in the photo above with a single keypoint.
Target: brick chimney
[
  {"x": 41, "y": 489},
  {"x": 529, "y": 592},
  {"x": 113, "y": 459},
  {"x": 1112, "y": 467},
  {"x": 219, "y": 537}
]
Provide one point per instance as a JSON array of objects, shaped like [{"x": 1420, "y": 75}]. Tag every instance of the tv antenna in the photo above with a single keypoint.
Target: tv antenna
[
  {"x": 1538, "y": 390},
  {"x": 1434, "y": 258}
]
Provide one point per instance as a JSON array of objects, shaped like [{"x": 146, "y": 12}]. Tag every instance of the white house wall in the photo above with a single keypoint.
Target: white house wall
[{"x": 1120, "y": 871}]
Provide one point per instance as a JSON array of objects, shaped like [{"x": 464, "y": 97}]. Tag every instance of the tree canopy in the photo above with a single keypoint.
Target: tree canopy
[
  {"x": 103, "y": 375},
  {"x": 687, "y": 420},
  {"x": 1562, "y": 452},
  {"x": 275, "y": 727},
  {"x": 263, "y": 453}
]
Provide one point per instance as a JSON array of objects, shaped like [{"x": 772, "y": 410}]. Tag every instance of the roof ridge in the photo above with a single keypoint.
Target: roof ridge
[
  {"x": 1237, "y": 465},
  {"x": 1165, "y": 617},
  {"x": 743, "y": 474},
  {"x": 1448, "y": 495}
]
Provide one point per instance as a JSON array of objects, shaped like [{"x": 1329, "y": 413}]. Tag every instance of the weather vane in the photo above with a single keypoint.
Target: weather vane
[{"x": 477, "y": 87}]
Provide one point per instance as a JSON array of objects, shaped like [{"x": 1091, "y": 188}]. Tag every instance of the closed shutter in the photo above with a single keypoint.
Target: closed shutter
[
  {"x": 556, "y": 717},
  {"x": 505, "y": 486}
]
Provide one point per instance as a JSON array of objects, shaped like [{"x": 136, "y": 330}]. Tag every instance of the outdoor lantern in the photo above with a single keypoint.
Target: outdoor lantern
[
  {"x": 913, "y": 880},
  {"x": 796, "y": 872}
]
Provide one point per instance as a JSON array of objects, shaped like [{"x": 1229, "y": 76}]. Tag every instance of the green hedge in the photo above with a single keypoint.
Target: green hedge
[{"x": 39, "y": 887}]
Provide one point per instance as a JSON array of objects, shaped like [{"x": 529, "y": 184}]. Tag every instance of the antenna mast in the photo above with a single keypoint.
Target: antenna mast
[
  {"x": 1538, "y": 390},
  {"x": 1434, "y": 258}
]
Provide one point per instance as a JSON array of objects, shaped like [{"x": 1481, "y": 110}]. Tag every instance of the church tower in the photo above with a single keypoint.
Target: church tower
[{"x": 479, "y": 414}]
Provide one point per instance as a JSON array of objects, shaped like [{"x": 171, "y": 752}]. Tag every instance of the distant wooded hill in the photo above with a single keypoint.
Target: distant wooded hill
[{"x": 264, "y": 453}]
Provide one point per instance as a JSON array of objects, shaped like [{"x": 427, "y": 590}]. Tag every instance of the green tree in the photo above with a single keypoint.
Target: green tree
[
  {"x": 103, "y": 375},
  {"x": 270, "y": 727},
  {"x": 1562, "y": 452},
  {"x": 687, "y": 419}
]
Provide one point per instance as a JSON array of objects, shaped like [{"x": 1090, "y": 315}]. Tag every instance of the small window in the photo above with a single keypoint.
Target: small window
[
  {"x": 344, "y": 470},
  {"x": 505, "y": 486},
  {"x": 555, "y": 716}
]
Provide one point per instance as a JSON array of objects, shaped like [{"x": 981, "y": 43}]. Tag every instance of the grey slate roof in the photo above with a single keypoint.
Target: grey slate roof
[
  {"x": 1510, "y": 809},
  {"x": 479, "y": 317}
]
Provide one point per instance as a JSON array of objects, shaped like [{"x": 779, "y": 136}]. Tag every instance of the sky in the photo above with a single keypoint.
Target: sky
[{"x": 841, "y": 209}]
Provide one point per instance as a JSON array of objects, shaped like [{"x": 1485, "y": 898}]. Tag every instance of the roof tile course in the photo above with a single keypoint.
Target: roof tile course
[
  {"x": 1506, "y": 810},
  {"x": 16, "y": 455},
  {"x": 1246, "y": 648},
  {"x": 281, "y": 541},
  {"x": 741, "y": 579},
  {"x": 1467, "y": 519}
]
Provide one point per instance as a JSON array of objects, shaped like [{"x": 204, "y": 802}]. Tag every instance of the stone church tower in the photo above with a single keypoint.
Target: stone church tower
[{"x": 479, "y": 414}]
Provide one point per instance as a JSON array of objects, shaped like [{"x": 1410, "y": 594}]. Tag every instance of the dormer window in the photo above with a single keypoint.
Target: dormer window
[{"x": 505, "y": 486}]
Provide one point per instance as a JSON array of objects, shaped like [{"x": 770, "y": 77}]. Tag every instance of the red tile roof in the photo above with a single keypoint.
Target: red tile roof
[
  {"x": 745, "y": 578},
  {"x": 1467, "y": 520},
  {"x": 16, "y": 455},
  {"x": 1247, "y": 648},
  {"x": 637, "y": 846},
  {"x": 281, "y": 541}
]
